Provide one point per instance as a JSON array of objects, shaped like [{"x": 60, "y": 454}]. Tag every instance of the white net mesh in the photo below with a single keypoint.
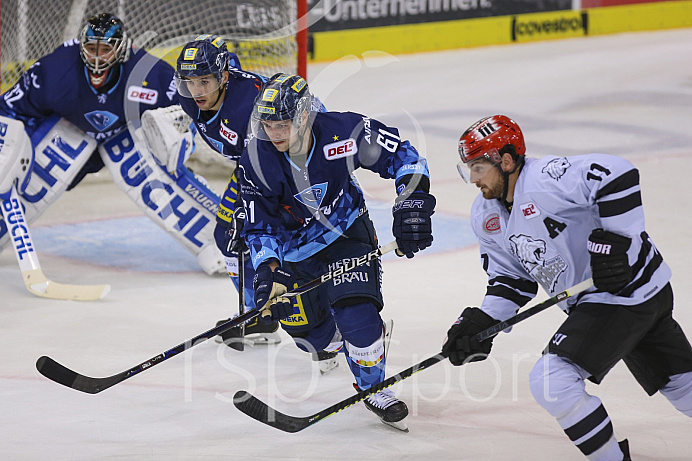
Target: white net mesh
[{"x": 261, "y": 32}]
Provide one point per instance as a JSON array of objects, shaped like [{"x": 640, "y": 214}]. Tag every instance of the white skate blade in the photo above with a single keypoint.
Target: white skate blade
[
  {"x": 256, "y": 339},
  {"x": 399, "y": 425}
]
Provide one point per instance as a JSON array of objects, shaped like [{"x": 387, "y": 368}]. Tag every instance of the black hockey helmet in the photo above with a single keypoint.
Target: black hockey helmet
[
  {"x": 282, "y": 97},
  {"x": 103, "y": 29}
]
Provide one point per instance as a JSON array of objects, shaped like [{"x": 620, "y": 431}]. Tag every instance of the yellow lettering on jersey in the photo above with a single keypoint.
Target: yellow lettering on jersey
[{"x": 299, "y": 317}]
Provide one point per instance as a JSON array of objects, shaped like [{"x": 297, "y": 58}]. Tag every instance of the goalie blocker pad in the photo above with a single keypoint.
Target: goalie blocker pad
[
  {"x": 181, "y": 205},
  {"x": 60, "y": 150}
]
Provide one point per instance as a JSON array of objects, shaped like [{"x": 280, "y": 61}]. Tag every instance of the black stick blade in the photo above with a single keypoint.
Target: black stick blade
[
  {"x": 63, "y": 375},
  {"x": 256, "y": 409}
]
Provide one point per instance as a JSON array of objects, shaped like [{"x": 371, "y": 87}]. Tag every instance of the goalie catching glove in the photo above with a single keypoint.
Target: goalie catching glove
[
  {"x": 412, "y": 227},
  {"x": 461, "y": 345},
  {"x": 269, "y": 286},
  {"x": 610, "y": 267}
]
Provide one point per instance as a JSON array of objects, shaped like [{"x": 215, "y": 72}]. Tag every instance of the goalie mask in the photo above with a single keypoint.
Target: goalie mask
[
  {"x": 481, "y": 146},
  {"x": 282, "y": 98},
  {"x": 103, "y": 43},
  {"x": 200, "y": 66}
]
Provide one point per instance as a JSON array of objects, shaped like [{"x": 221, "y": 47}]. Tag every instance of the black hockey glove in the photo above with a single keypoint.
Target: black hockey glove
[
  {"x": 412, "y": 227},
  {"x": 610, "y": 267},
  {"x": 461, "y": 346},
  {"x": 269, "y": 286},
  {"x": 227, "y": 235}
]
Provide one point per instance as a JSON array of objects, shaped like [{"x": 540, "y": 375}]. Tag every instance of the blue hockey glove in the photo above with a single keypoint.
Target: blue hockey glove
[
  {"x": 412, "y": 227},
  {"x": 227, "y": 237},
  {"x": 269, "y": 286},
  {"x": 461, "y": 346},
  {"x": 610, "y": 267}
]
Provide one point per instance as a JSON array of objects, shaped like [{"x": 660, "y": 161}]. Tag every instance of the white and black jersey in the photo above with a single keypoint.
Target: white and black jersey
[{"x": 558, "y": 201}]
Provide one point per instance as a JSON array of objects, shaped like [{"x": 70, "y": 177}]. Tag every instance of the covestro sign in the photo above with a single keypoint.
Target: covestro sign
[{"x": 545, "y": 26}]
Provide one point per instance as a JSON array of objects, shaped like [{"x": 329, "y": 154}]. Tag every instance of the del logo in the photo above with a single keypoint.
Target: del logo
[
  {"x": 529, "y": 210},
  {"x": 491, "y": 224},
  {"x": 228, "y": 134},
  {"x": 340, "y": 149},
  {"x": 145, "y": 95}
]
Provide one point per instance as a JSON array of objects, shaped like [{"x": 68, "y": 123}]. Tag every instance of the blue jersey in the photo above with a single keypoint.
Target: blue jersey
[
  {"x": 59, "y": 84},
  {"x": 294, "y": 211},
  {"x": 226, "y": 131}
]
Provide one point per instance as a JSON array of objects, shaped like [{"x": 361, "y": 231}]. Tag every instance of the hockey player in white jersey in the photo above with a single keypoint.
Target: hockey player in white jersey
[{"x": 555, "y": 222}]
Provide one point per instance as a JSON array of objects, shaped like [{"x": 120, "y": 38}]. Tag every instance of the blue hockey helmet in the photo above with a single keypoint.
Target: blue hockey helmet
[
  {"x": 282, "y": 97},
  {"x": 205, "y": 55},
  {"x": 103, "y": 43}
]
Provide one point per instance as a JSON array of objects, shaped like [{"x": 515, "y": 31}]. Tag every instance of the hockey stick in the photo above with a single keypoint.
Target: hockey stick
[
  {"x": 63, "y": 375},
  {"x": 24, "y": 249},
  {"x": 256, "y": 409},
  {"x": 239, "y": 345}
]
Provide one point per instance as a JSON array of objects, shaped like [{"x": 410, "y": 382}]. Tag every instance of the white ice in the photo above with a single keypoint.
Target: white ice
[{"x": 628, "y": 94}]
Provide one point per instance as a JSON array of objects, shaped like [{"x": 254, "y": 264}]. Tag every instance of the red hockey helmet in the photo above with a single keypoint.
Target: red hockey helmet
[{"x": 487, "y": 139}]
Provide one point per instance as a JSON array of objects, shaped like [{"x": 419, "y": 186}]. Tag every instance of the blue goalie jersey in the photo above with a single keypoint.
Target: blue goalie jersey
[
  {"x": 59, "y": 84},
  {"x": 294, "y": 211}
]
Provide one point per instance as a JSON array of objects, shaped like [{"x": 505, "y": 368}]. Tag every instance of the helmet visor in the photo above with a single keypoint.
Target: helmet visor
[
  {"x": 197, "y": 87},
  {"x": 476, "y": 169},
  {"x": 273, "y": 130}
]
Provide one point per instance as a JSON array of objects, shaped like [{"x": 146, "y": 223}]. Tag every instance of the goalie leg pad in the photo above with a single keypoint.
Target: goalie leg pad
[
  {"x": 60, "y": 152},
  {"x": 182, "y": 205},
  {"x": 16, "y": 156}
]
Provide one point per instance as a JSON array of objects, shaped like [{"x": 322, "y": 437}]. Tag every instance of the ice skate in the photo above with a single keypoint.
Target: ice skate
[
  {"x": 388, "y": 408},
  {"x": 326, "y": 361},
  {"x": 256, "y": 333}
]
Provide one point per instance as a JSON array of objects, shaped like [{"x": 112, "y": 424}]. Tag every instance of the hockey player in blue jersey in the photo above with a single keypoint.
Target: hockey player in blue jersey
[
  {"x": 99, "y": 89},
  {"x": 556, "y": 221},
  {"x": 218, "y": 95},
  {"x": 306, "y": 214},
  {"x": 93, "y": 83}
]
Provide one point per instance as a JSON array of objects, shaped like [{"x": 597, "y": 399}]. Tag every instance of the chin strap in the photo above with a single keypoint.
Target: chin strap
[{"x": 518, "y": 164}]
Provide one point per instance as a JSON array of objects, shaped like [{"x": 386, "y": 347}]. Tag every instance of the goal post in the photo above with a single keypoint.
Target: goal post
[{"x": 268, "y": 36}]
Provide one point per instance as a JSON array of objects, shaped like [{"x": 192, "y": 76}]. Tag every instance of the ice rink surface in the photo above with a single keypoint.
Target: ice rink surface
[{"x": 629, "y": 95}]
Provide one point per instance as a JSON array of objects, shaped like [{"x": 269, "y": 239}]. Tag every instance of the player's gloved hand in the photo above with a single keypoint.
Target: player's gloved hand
[
  {"x": 227, "y": 236},
  {"x": 461, "y": 346},
  {"x": 610, "y": 267},
  {"x": 269, "y": 286},
  {"x": 412, "y": 227}
]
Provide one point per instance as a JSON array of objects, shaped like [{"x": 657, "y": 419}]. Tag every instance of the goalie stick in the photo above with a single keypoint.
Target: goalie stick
[
  {"x": 256, "y": 409},
  {"x": 63, "y": 375},
  {"x": 34, "y": 279}
]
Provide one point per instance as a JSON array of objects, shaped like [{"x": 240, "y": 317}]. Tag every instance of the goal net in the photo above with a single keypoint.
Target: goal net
[{"x": 263, "y": 33}]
